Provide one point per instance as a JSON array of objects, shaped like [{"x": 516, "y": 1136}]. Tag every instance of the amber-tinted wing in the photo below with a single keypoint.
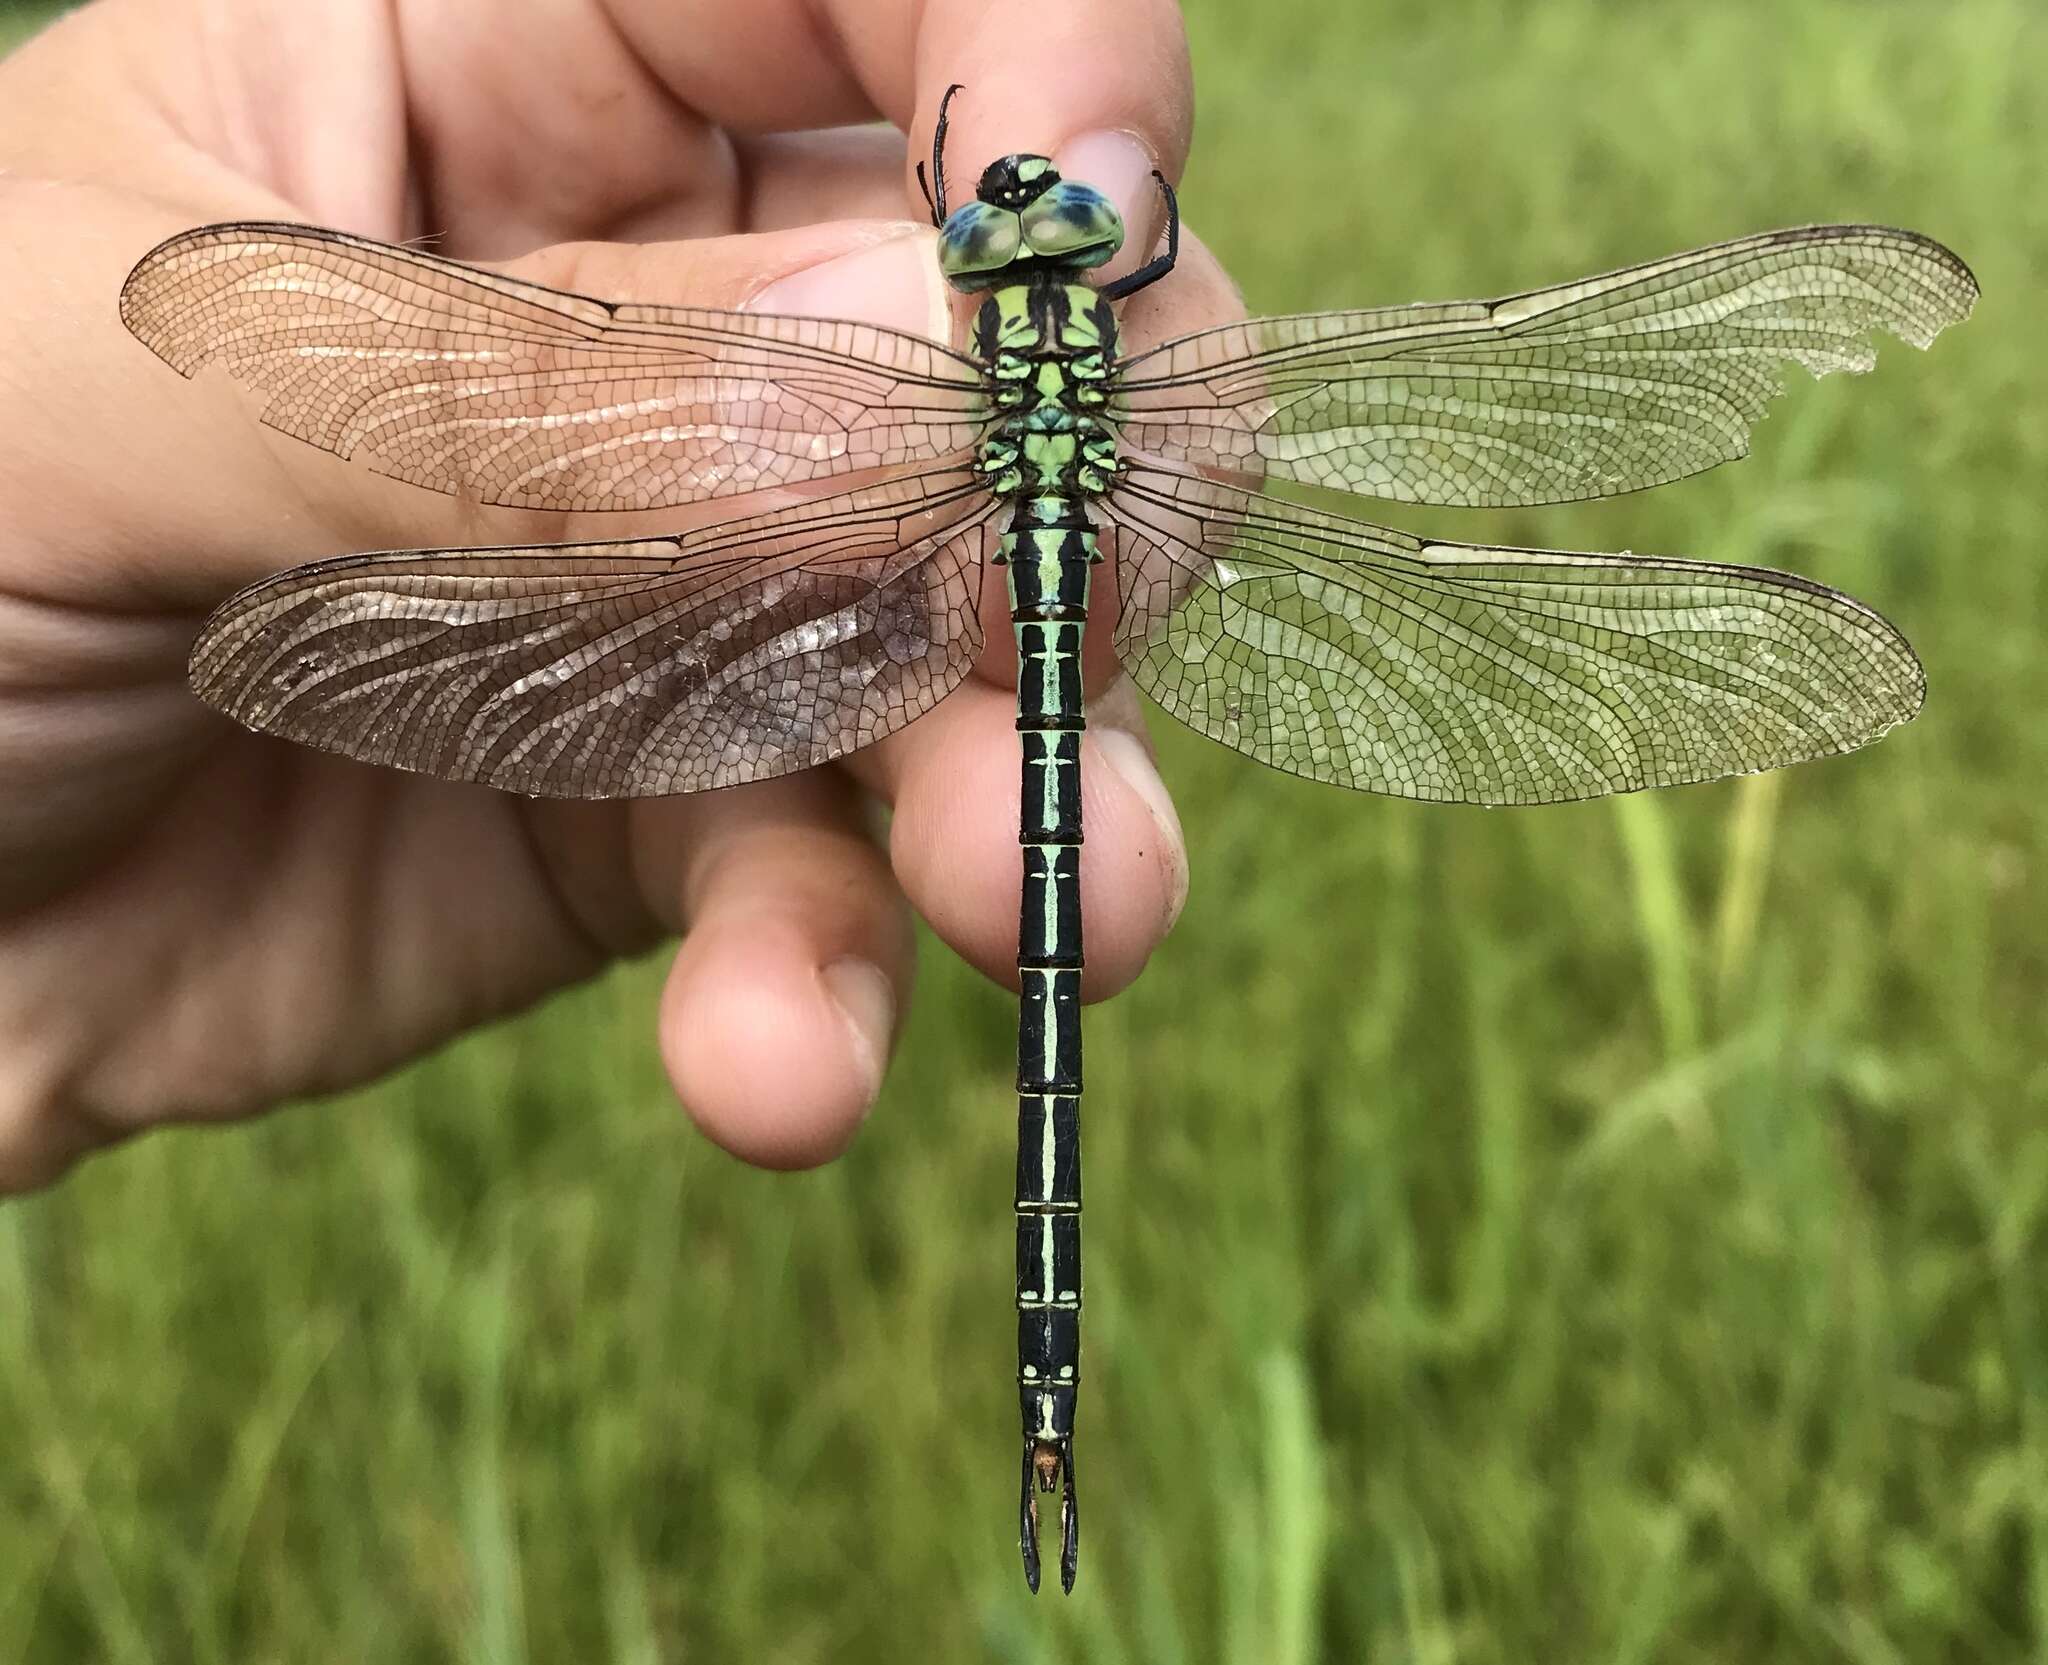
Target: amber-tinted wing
[
  {"x": 730, "y": 653},
  {"x": 1581, "y": 390},
  {"x": 466, "y": 381},
  {"x": 1359, "y": 655}
]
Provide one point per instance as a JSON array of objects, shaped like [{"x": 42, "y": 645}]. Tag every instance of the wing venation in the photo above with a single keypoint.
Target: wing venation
[
  {"x": 465, "y": 380},
  {"x": 1363, "y": 656},
  {"x": 733, "y": 652},
  {"x": 1581, "y": 390}
]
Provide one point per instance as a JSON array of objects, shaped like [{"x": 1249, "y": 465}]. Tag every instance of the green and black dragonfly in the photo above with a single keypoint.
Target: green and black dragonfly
[{"x": 779, "y": 639}]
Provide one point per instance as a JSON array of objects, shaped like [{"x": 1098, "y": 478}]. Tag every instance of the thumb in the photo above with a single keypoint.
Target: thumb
[{"x": 869, "y": 271}]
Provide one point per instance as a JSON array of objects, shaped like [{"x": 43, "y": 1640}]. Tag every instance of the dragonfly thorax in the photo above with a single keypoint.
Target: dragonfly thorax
[
  {"x": 1027, "y": 219},
  {"x": 1046, "y": 342},
  {"x": 1047, "y": 348},
  {"x": 1050, "y": 451}
]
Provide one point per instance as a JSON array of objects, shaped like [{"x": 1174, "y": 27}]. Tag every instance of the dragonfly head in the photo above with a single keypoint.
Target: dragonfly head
[{"x": 1027, "y": 218}]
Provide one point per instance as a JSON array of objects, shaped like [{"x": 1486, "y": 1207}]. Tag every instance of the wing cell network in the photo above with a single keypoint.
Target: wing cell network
[
  {"x": 735, "y": 652},
  {"x": 467, "y": 381},
  {"x": 1363, "y": 656},
  {"x": 1581, "y": 390}
]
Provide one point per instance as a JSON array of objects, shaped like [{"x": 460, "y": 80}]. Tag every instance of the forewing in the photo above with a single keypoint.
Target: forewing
[
  {"x": 1582, "y": 390},
  {"x": 731, "y": 653},
  {"x": 1359, "y": 655},
  {"x": 466, "y": 381}
]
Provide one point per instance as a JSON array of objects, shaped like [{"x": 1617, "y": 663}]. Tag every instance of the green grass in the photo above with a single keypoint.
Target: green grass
[{"x": 1613, "y": 1233}]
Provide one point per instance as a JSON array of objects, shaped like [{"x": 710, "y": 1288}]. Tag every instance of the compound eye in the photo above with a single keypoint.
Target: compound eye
[
  {"x": 1074, "y": 224},
  {"x": 978, "y": 241}
]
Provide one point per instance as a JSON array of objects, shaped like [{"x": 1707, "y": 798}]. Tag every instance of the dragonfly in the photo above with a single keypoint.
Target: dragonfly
[{"x": 788, "y": 635}]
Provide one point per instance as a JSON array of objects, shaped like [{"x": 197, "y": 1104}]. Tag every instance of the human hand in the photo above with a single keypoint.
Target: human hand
[{"x": 196, "y": 922}]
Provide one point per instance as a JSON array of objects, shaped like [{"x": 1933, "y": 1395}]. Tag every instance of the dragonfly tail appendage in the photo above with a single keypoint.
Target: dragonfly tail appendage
[
  {"x": 1049, "y": 1467},
  {"x": 1027, "y": 1515},
  {"x": 1070, "y": 1521}
]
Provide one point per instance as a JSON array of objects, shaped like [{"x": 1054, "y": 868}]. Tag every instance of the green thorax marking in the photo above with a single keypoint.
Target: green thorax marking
[{"x": 1046, "y": 341}]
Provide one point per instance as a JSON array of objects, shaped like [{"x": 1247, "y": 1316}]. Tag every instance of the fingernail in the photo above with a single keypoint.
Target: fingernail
[
  {"x": 867, "y": 1000},
  {"x": 1127, "y": 757},
  {"x": 1118, "y": 166},
  {"x": 894, "y": 282}
]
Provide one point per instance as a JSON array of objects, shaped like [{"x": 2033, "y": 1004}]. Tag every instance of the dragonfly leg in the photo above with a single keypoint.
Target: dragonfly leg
[
  {"x": 1155, "y": 269},
  {"x": 937, "y": 204}
]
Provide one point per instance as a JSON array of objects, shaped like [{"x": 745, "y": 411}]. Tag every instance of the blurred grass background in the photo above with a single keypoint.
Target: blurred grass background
[{"x": 1606, "y": 1233}]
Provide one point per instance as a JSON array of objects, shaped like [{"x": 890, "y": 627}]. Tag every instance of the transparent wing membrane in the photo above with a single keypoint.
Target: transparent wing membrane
[
  {"x": 731, "y": 653},
  {"x": 465, "y": 381},
  {"x": 1358, "y": 655},
  {"x": 1581, "y": 390},
  {"x": 1321, "y": 645}
]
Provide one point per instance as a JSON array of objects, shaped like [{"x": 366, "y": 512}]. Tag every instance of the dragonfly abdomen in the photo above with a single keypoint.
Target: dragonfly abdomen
[
  {"x": 1047, "y": 345},
  {"x": 1048, "y": 550}
]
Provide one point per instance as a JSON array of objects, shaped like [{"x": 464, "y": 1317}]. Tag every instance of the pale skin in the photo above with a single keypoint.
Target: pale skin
[{"x": 197, "y": 924}]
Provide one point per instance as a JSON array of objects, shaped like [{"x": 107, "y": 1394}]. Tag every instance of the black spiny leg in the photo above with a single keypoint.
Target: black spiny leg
[
  {"x": 937, "y": 204},
  {"x": 1156, "y": 269}
]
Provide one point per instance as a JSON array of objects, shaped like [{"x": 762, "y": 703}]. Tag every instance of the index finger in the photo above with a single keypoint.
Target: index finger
[{"x": 1043, "y": 78}]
